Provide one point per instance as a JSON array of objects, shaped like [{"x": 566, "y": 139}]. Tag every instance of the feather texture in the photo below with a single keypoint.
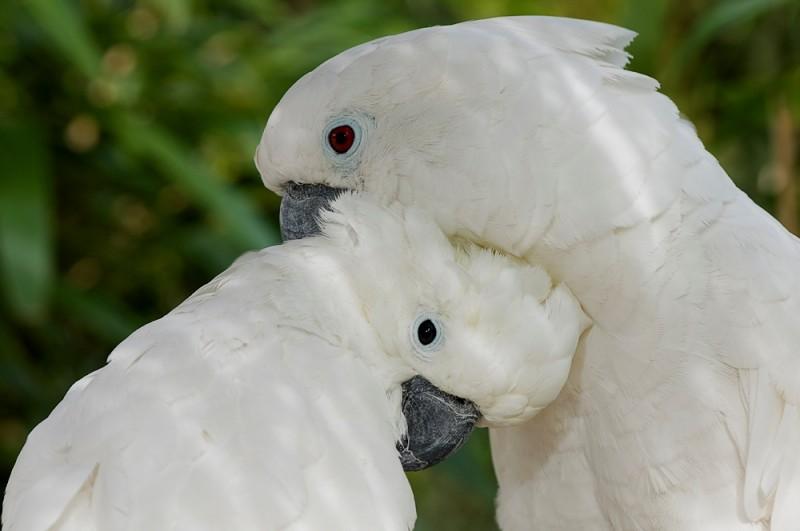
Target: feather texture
[
  {"x": 527, "y": 135},
  {"x": 270, "y": 399},
  {"x": 220, "y": 415}
]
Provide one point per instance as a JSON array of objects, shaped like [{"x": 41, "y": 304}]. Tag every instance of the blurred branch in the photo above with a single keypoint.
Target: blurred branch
[{"x": 784, "y": 162}]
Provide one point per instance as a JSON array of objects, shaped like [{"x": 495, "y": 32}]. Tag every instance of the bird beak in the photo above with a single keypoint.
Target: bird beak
[
  {"x": 300, "y": 208},
  {"x": 438, "y": 423}
]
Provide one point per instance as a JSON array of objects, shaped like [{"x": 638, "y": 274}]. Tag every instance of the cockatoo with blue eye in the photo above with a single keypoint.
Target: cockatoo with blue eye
[
  {"x": 273, "y": 398},
  {"x": 527, "y": 135}
]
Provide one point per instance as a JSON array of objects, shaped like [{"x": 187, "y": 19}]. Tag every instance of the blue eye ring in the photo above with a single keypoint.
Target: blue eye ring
[
  {"x": 338, "y": 147},
  {"x": 427, "y": 335}
]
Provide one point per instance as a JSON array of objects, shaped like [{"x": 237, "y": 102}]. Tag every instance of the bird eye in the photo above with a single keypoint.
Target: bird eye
[
  {"x": 426, "y": 332},
  {"x": 427, "y": 335},
  {"x": 342, "y": 137}
]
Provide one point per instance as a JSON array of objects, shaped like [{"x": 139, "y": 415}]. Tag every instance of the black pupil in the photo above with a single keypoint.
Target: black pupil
[
  {"x": 426, "y": 332},
  {"x": 341, "y": 138}
]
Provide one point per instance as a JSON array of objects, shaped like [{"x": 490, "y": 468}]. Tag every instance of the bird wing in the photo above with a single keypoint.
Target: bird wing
[
  {"x": 729, "y": 292},
  {"x": 758, "y": 266},
  {"x": 221, "y": 415}
]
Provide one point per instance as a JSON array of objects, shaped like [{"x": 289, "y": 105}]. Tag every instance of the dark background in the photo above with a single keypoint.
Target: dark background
[{"x": 127, "y": 131}]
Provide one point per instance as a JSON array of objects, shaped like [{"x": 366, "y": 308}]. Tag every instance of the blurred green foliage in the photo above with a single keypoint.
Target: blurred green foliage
[{"x": 127, "y": 130}]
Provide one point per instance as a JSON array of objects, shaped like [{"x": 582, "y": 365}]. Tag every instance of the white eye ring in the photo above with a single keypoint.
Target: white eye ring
[
  {"x": 354, "y": 124},
  {"x": 427, "y": 335}
]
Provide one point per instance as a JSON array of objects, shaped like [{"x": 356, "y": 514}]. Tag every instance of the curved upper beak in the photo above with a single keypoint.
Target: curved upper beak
[{"x": 438, "y": 423}]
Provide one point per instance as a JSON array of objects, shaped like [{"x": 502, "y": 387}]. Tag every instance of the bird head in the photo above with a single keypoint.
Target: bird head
[
  {"x": 479, "y": 326},
  {"x": 482, "y": 123},
  {"x": 521, "y": 134}
]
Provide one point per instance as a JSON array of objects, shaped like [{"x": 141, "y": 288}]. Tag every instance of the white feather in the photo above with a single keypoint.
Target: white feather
[
  {"x": 270, "y": 398},
  {"x": 525, "y": 134},
  {"x": 219, "y": 416}
]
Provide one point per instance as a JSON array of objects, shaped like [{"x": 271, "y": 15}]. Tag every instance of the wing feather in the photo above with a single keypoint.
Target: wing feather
[{"x": 215, "y": 417}]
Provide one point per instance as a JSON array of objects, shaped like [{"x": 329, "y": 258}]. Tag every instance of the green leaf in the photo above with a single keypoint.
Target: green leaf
[
  {"x": 647, "y": 19},
  {"x": 64, "y": 25},
  {"x": 722, "y": 15},
  {"x": 228, "y": 206},
  {"x": 104, "y": 317},
  {"x": 26, "y": 239}
]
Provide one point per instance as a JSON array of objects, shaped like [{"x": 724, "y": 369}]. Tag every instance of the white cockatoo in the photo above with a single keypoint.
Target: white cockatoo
[
  {"x": 271, "y": 398},
  {"x": 526, "y": 134}
]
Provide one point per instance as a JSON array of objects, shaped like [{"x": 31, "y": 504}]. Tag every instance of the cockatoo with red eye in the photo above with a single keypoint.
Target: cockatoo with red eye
[
  {"x": 278, "y": 396},
  {"x": 527, "y": 135}
]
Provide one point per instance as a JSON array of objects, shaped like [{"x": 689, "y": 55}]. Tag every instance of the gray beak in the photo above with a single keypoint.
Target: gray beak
[
  {"x": 300, "y": 207},
  {"x": 438, "y": 423}
]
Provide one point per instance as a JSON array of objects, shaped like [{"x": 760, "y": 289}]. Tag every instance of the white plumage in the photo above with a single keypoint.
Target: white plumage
[
  {"x": 270, "y": 399},
  {"x": 526, "y": 134}
]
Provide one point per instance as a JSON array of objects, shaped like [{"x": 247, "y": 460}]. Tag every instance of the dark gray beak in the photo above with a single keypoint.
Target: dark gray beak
[
  {"x": 300, "y": 207},
  {"x": 438, "y": 423}
]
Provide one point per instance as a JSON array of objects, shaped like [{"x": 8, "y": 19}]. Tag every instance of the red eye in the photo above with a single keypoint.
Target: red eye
[{"x": 341, "y": 138}]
